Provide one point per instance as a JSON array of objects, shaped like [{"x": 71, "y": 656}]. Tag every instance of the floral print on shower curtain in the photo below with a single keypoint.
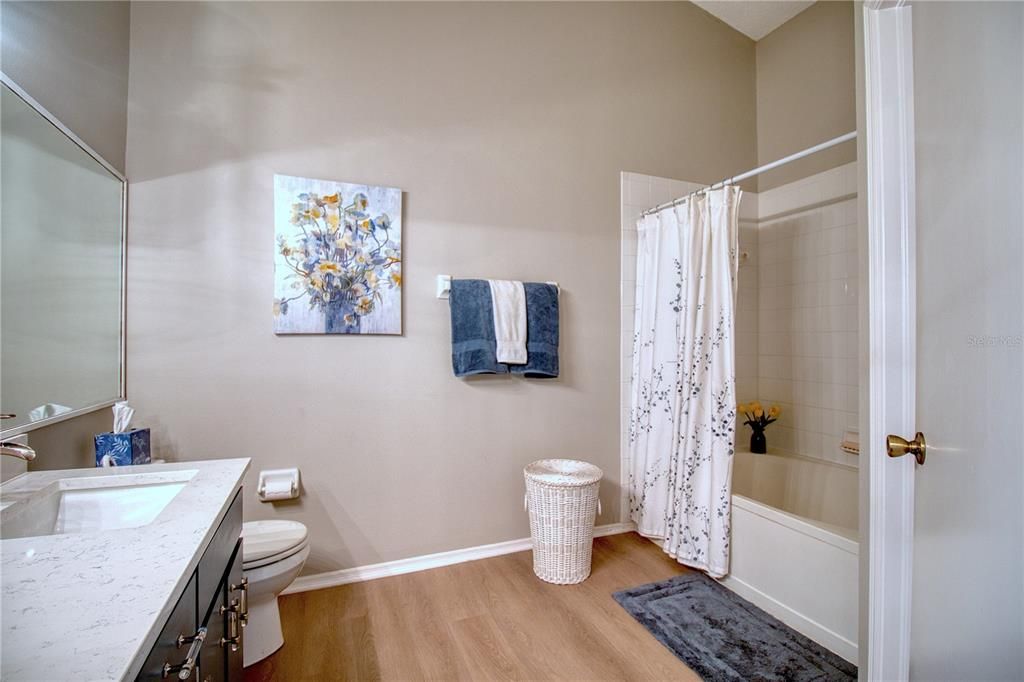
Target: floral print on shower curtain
[{"x": 683, "y": 408}]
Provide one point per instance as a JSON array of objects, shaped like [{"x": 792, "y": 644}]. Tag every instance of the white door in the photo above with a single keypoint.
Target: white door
[
  {"x": 968, "y": 575},
  {"x": 965, "y": 573}
]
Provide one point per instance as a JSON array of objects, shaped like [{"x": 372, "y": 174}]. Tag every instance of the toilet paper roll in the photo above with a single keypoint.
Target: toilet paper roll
[{"x": 277, "y": 489}]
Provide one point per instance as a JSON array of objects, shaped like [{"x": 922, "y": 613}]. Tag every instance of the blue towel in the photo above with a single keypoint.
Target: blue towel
[
  {"x": 541, "y": 332},
  {"x": 474, "y": 349}
]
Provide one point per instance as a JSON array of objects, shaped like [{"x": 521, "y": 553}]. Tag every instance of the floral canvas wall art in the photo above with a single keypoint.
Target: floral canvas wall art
[{"x": 337, "y": 257}]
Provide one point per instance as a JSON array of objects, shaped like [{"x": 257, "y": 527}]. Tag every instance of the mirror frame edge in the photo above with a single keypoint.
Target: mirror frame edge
[{"x": 122, "y": 355}]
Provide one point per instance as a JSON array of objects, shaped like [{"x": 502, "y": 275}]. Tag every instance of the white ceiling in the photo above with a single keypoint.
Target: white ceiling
[{"x": 754, "y": 18}]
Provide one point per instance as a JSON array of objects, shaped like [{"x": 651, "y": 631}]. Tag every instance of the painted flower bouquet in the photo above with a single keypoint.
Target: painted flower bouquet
[
  {"x": 342, "y": 259},
  {"x": 758, "y": 420}
]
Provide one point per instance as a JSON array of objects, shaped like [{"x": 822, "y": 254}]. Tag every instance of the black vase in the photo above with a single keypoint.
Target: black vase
[{"x": 758, "y": 445}]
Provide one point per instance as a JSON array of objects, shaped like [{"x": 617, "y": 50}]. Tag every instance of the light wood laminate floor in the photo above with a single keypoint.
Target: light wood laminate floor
[{"x": 484, "y": 620}]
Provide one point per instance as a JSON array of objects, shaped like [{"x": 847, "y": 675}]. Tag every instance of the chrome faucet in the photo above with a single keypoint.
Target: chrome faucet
[{"x": 16, "y": 449}]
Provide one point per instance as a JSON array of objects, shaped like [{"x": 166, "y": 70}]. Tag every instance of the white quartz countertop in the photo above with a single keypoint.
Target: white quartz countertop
[{"x": 89, "y": 606}]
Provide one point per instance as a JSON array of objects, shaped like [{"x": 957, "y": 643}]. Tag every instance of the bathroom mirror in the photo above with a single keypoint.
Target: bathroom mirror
[{"x": 62, "y": 229}]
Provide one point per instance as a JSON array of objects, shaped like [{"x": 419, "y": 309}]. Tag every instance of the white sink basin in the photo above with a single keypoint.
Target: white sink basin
[{"x": 91, "y": 504}]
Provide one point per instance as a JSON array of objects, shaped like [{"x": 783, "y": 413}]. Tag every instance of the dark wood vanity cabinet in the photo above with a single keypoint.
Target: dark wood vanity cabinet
[
  {"x": 202, "y": 638},
  {"x": 221, "y": 655},
  {"x": 168, "y": 650},
  {"x": 237, "y": 588}
]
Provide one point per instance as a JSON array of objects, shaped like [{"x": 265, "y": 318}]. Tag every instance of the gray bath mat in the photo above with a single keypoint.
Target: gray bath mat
[{"x": 724, "y": 637}]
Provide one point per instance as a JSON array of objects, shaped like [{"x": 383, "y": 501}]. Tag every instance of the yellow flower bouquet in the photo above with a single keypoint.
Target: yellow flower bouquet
[{"x": 758, "y": 420}]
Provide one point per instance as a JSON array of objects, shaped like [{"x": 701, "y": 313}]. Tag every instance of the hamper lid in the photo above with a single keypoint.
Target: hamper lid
[{"x": 566, "y": 472}]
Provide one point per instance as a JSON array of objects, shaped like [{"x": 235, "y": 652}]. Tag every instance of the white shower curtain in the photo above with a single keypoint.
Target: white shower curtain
[{"x": 683, "y": 411}]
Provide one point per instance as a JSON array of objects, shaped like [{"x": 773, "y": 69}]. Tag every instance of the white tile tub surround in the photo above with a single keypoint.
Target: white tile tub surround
[
  {"x": 747, "y": 315},
  {"x": 807, "y": 193},
  {"x": 807, "y": 313},
  {"x": 808, "y": 487}
]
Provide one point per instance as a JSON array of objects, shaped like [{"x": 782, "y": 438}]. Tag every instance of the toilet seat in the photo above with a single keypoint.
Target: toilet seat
[{"x": 268, "y": 542}]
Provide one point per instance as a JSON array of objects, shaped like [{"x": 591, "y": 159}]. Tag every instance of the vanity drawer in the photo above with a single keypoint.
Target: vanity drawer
[
  {"x": 218, "y": 555},
  {"x": 166, "y": 651}
]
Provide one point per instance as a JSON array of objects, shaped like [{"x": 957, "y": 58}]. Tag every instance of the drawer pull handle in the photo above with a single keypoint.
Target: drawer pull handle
[
  {"x": 231, "y": 641},
  {"x": 185, "y": 668},
  {"x": 243, "y": 609}
]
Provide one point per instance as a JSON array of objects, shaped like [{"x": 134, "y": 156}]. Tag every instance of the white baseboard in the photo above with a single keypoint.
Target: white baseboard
[
  {"x": 345, "y": 576},
  {"x": 819, "y": 633}
]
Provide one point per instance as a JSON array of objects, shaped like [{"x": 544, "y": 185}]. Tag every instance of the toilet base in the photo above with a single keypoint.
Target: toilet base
[{"x": 262, "y": 634}]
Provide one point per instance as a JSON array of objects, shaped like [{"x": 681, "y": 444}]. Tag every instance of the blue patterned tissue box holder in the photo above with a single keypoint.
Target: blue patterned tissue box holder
[{"x": 122, "y": 449}]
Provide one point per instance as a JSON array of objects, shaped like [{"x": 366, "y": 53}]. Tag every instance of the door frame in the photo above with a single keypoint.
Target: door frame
[{"x": 889, "y": 346}]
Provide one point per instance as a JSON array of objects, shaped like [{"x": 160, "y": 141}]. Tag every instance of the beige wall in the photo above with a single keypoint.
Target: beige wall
[
  {"x": 805, "y": 91},
  {"x": 72, "y": 57},
  {"x": 69, "y": 444},
  {"x": 507, "y": 126}
]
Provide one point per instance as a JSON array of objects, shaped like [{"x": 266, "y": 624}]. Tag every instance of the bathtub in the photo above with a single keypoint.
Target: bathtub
[{"x": 794, "y": 544}]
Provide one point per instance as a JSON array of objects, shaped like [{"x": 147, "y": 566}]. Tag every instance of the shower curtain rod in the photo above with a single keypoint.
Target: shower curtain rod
[{"x": 757, "y": 171}]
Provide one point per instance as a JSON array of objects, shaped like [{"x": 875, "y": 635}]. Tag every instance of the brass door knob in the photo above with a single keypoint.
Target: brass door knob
[{"x": 897, "y": 447}]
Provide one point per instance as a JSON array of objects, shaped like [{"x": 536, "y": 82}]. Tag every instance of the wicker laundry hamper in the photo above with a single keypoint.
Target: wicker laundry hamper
[{"x": 561, "y": 496}]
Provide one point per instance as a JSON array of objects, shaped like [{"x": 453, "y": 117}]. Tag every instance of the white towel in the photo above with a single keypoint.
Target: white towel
[{"x": 509, "y": 303}]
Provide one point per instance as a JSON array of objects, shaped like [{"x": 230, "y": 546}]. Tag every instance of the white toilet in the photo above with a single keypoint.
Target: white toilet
[{"x": 273, "y": 553}]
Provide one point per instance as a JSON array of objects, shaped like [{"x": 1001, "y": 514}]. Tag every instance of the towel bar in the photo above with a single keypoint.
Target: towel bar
[{"x": 444, "y": 285}]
